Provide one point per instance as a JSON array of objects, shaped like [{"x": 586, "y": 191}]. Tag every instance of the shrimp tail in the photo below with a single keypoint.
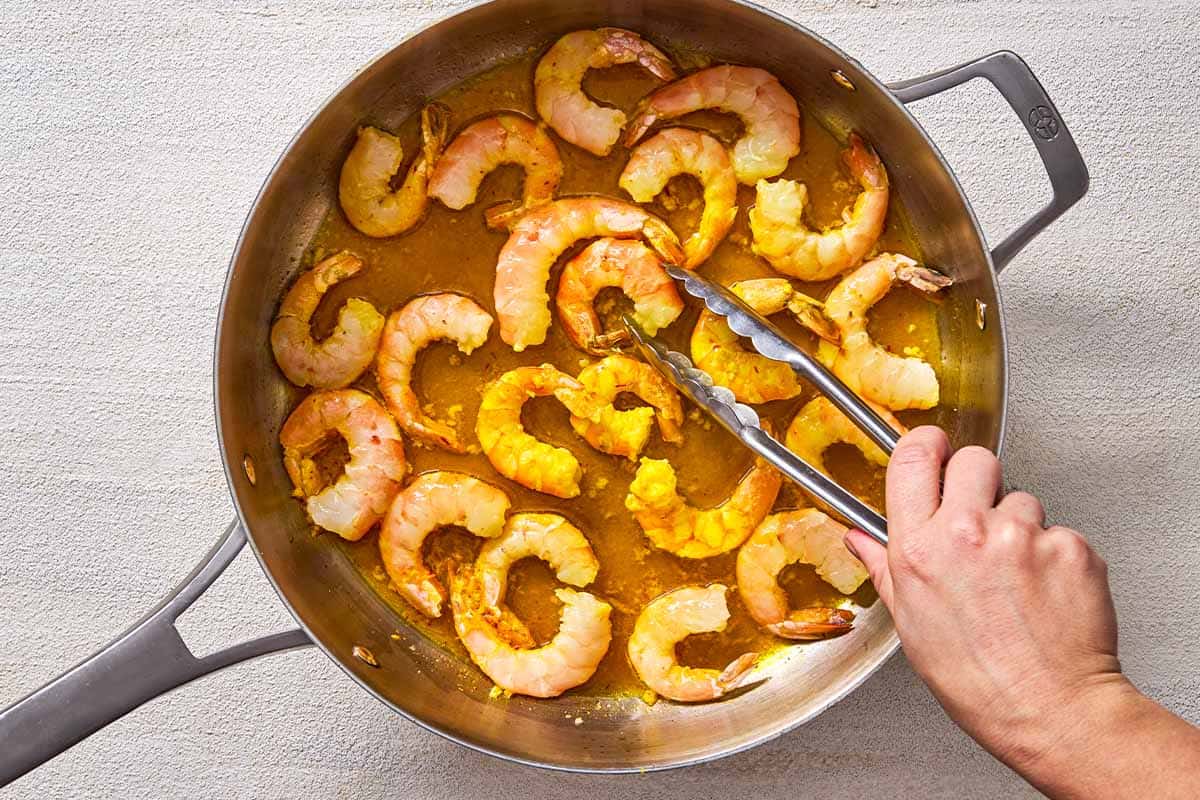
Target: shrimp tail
[
  {"x": 738, "y": 670},
  {"x": 925, "y": 279},
  {"x": 811, "y": 314},
  {"x": 643, "y": 119},
  {"x": 663, "y": 240},
  {"x": 814, "y": 623},
  {"x": 435, "y": 129}
]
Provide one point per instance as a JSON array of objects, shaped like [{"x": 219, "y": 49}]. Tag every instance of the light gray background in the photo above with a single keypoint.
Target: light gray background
[{"x": 133, "y": 138}]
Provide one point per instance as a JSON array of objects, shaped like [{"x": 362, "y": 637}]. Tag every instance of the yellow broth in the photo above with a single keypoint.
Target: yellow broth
[{"x": 455, "y": 252}]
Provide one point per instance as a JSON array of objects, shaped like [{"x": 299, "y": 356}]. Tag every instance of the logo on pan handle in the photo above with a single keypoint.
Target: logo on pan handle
[{"x": 1043, "y": 122}]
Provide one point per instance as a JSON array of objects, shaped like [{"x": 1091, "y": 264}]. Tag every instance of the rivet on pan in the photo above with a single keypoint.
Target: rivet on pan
[
  {"x": 980, "y": 314},
  {"x": 364, "y": 655},
  {"x": 841, "y": 80},
  {"x": 248, "y": 467}
]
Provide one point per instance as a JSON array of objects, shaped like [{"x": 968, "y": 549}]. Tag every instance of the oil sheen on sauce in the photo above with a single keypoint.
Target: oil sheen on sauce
[{"x": 456, "y": 252}]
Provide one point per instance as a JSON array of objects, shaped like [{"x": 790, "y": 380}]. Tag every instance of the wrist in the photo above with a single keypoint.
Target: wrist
[{"x": 1076, "y": 729}]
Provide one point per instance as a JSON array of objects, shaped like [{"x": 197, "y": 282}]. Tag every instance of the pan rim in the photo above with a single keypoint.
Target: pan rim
[{"x": 768, "y": 733}]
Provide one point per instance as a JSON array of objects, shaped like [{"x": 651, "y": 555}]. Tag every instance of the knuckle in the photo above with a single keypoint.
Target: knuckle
[
  {"x": 913, "y": 454},
  {"x": 1012, "y": 533},
  {"x": 1070, "y": 546},
  {"x": 967, "y": 527}
]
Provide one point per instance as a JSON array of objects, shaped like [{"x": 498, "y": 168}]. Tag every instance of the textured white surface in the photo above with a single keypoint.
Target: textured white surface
[{"x": 135, "y": 136}]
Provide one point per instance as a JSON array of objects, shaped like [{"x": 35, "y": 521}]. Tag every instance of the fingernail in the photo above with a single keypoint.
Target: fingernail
[{"x": 849, "y": 544}]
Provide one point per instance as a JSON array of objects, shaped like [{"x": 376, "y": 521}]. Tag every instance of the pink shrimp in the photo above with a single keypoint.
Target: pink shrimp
[
  {"x": 627, "y": 264},
  {"x": 487, "y": 144},
  {"x": 541, "y": 236},
  {"x": 768, "y": 112}
]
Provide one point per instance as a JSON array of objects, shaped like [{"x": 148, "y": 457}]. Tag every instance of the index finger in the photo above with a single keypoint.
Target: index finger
[{"x": 914, "y": 477}]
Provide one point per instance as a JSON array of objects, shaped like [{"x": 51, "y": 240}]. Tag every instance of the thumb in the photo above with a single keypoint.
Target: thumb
[{"x": 875, "y": 559}]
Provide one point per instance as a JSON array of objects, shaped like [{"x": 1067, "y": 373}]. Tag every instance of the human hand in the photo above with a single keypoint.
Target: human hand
[{"x": 1011, "y": 625}]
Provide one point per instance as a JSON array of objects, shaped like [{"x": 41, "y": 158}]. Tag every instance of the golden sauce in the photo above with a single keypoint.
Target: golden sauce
[{"x": 454, "y": 251}]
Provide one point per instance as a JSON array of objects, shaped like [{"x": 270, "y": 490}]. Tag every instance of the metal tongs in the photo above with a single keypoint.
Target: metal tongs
[{"x": 743, "y": 422}]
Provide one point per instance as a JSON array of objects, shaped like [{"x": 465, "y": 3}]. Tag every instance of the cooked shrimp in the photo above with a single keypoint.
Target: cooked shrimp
[
  {"x": 623, "y": 263},
  {"x": 570, "y": 658},
  {"x": 672, "y": 524},
  {"x": 677, "y": 151},
  {"x": 751, "y": 377},
  {"x": 423, "y": 320},
  {"x": 372, "y": 476},
  {"x": 820, "y": 425},
  {"x": 541, "y": 236},
  {"x": 782, "y": 238},
  {"x": 551, "y": 538},
  {"x": 807, "y": 536},
  {"x": 625, "y": 433},
  {"x": 343, "y": 355},
  {"x": 769, "y": 115},
  {"x": 483, "y": 146},
  {"x": 516, "y": 454},
  {"x": 665, "y": 622},
  {"x": 434, "y": 500},
  {"x": 365, "y": 188},
  {"x": 560, "y": 98},
  {"x": 898, "y": 382}
]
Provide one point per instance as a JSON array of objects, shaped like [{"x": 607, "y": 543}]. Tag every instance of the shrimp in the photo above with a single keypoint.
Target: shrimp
[
  {"x": 341, "y": 357},
  {"x": 666, "y": 621},
  {"x": 898, "y": 382},
  {"x": 672, "y": 524},
  {"x": 676, "y": 151},
  {"x": 483, "y": 146},
  {"x": 550, "y": 537},
  {"x": 421, "y": 321},
  {"x": 560, "y": 99},
  {"x": 365, "y": 187},
  {"x": 782, "y": 238},
  {"x": 624, "y": 263},
  {"x": 571, "y": 657},
  {"x": 516, "y": 454},
  {"x": 370, "y": 480},
  {"x": 434, "y": 500},
  {"x": 807, "y": 536},
  {"x": 820, "y": 425},
  {"x": 769, "y": 114},
  {"x": 541, "y": 236},
  {"x": 625, "y": 433},
  {"x": 751, "y": 377}
]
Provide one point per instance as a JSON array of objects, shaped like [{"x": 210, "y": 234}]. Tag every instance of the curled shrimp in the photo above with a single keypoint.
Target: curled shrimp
[
  {"x": 895, "y": 381},
  {"x": 677, "y": 151},
  {"x": 672, "y": 524},
  {"x": 371, "y": 478},
  {"x": 541, "y": 236},
  {"x": 550, "y": 537},
  {"x": 769, "y": 115},
  {"x": 807, "y": 536},
  {"x": 667, "y": 620},
  {"x": 515, "y": 453},
  {"x": 623, "y": 263},
  {"x": 365, "y": 187},
  {"x": 342, "y": 356},
  {"x": 625, "y": 433},
  {"x": 487, "y": 144},
  {"x": 751, "y": 377},
  {"x": 423, "y": 320},
  {"x": 568, "y": 660},
  {"x": 820, "y": 425},
  {"x": 560, "y": 99},
  {"x": 434, "y": 500},
  {"x": 782, "y": 238}
]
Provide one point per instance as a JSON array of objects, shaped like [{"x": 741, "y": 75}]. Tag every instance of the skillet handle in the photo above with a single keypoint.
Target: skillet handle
[
  {"x": 147, "y": 660},
  {"x": 1020, "y": 87}
]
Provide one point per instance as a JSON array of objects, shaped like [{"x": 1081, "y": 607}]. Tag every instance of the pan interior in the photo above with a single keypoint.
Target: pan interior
[{"x": 316, "y": 580}]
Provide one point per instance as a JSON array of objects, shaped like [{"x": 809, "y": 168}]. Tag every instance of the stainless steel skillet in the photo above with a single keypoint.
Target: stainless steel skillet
[{"x": 336, "y": 610}]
